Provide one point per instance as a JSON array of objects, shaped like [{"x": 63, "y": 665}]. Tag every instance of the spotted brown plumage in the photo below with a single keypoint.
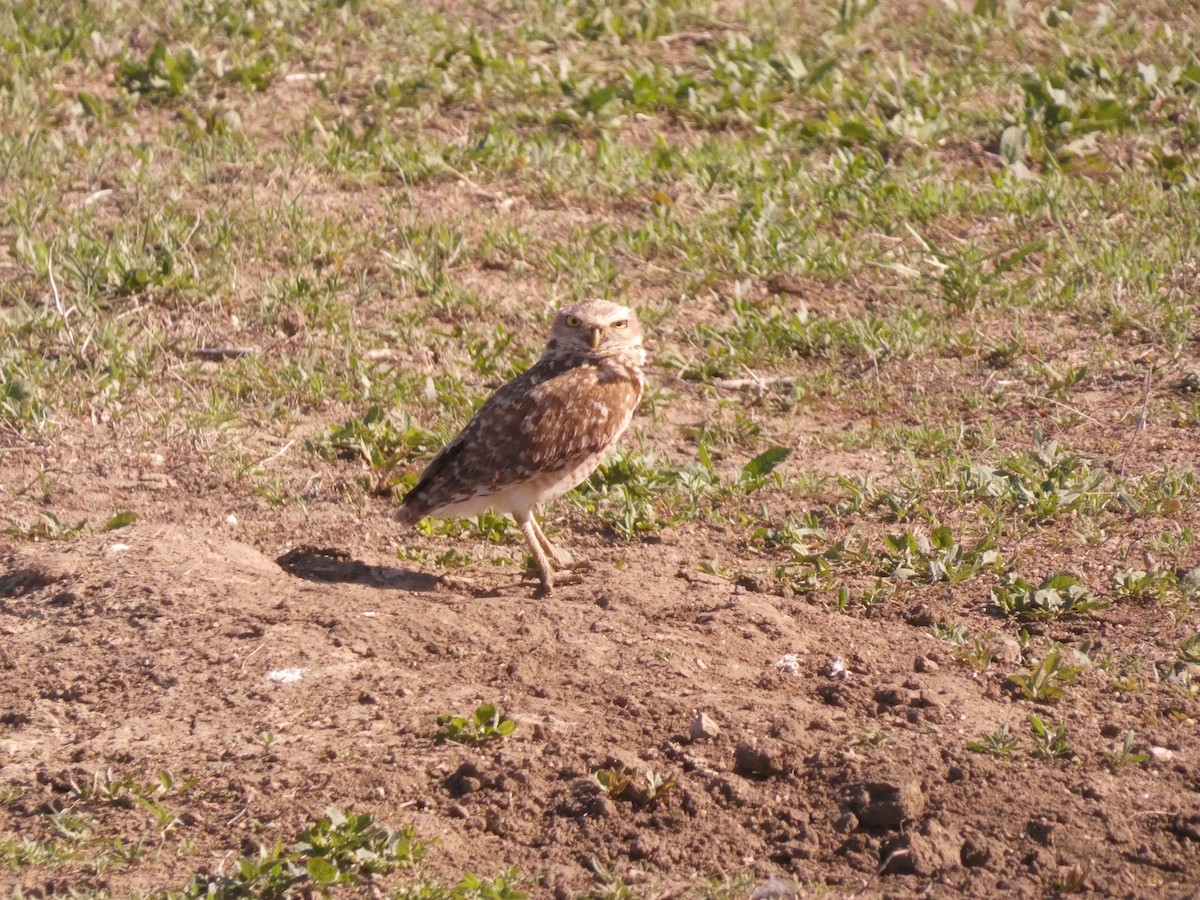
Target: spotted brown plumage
[{"x": 545, "y": 431}]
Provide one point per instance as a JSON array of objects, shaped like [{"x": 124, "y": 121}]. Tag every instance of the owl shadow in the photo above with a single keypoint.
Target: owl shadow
[{"x": 332, "y": 565}]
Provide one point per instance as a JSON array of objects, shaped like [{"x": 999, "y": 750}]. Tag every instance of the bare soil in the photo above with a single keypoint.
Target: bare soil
[{"x": 837, "y": 747}]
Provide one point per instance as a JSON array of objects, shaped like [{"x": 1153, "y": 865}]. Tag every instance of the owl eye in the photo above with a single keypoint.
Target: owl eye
[
  {"x": 572, "y": 322},
  {"x": 622, "y": 324}
]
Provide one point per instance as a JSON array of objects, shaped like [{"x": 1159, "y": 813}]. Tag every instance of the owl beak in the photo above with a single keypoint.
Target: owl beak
[{"x": 596, "y": 332}]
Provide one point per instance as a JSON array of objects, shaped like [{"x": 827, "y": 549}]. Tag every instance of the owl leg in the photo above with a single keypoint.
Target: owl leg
[
  {"x": 530, "y": 529},
  {"x": 561, "y": 558}
]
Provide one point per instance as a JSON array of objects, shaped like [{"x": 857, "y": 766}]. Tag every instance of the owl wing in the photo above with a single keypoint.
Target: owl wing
[{"x": 543, "y": 421}]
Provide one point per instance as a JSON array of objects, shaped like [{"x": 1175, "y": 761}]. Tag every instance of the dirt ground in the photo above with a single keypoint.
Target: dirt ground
[{"x": 833, "y": 750}]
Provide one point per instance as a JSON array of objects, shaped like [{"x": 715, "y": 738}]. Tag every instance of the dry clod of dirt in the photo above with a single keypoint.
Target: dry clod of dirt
[
  {"x": 764, "y": 758},
  {"x": 886, "y": 804}
]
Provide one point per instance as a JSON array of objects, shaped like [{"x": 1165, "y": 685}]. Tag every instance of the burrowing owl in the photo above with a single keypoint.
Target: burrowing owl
[{"x": 543, "y": 432}]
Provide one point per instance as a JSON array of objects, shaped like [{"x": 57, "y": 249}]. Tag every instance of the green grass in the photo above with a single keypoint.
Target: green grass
[{"x": 946, "y": 218}]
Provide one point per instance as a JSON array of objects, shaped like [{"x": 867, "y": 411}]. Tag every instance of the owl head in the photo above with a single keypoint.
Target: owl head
[{"x": 595, "y": 328}]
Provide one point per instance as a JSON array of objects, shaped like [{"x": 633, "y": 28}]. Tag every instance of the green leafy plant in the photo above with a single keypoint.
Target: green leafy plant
[
  {"x": 622, "y": 783},
  {"x": 1141, "y": 584},
  {"x": 1043, "y": 485},
  {"x": 373, "y": 439},
  {"x": 617, "y": 781},
  {"x": 1058, "y": 594},
  {"x": 1189, "y": 650},
  {"x": 755, "y": 472},
  {"x": 340, "y": 849},
  {"x": 1127, "y": 752},
  {"x": 343, "y": 848},
  {"x": 1045, "y": 682},
  {"x": 1001, "y": 742},
  {"x": 163, "y": 74},
  {"x": 505, "y": 886},
  {"x": 910, "y": 555},
  {"x": 19, "y": 403},
  {"x": 486, "y": 723},
  {"x": 120, "y": 520},
  {"x": 1049, "y": 742}
]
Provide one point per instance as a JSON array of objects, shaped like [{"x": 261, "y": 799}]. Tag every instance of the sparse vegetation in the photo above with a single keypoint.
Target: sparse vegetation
[
  {"x": 621, "y": 783},
  {"x": 1057, "y": 595},
  {"x": 1001, "y": 742},
  {"x": 486, "y": 723},
  {"x": 343, "y": 848}
]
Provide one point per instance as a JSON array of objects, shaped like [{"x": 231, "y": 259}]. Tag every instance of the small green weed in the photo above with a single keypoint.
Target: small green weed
[
  {"x": 372, "y": 439},
  {"x": 1139, "y": 584},
  {"x": 47, "y": 527},
  {"x": 621, "y": 783},
  {"x": 1001, "y": 742},
  {"x": 162, "y": 75},
  {"x": 486, "y": 723},
  {"x": 1042, "y": 485},
  {"x": 1049, "y": 742},
  {"x": 910, "y": 555},
  {"x": 968, "y": 648},
  {"x": 1189, "y": 650},
  {"x": 1046, "y": 681},
  {"x": 1075, "y": 880},
  {"x": 1126, "y": 752}
]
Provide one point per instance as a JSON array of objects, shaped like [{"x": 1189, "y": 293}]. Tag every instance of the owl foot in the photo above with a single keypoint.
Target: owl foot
[{"x": 548, "y": 582}]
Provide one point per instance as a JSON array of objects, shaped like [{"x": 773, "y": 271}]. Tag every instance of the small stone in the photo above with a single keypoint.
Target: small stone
[
  {"x": 703, "y": 728},
  {"x": 1161, "y": 755},
  {"x": 835, "y": 668},
  {"x": 927, "y": 700},
  {"x": 459, "y": 811},
  {"x": 925, "y": 664},
  {"x": 789, "y": 663},
  {"x": 1003, "y": 648},
  {"x": 775, "y": 889}
]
